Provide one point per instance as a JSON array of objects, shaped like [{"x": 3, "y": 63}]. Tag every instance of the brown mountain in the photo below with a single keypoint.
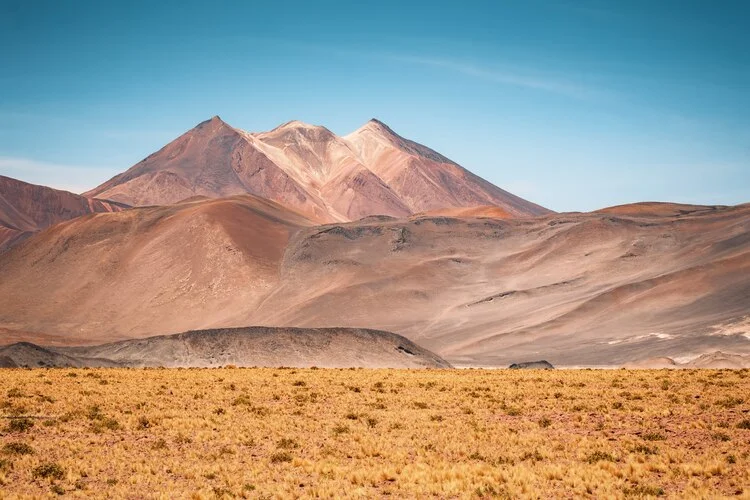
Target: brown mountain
[
  {"x": 27, "y": 208},
  {"x": 601, "y": 288},
  {"x": 307, "y": 168},
  {"x": 571, "y": 288}
]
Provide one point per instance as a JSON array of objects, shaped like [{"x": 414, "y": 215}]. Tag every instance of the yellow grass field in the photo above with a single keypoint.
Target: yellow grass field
[{"x": 281, "y": 433}]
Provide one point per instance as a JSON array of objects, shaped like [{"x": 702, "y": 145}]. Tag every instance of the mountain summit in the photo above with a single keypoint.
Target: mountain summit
[{"x": 372, "y": 171}]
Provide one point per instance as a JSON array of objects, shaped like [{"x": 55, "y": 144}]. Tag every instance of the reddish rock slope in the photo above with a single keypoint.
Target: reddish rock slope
[{"x": 27, "y": 208}]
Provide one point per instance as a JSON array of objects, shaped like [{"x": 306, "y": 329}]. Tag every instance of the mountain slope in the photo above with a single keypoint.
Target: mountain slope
[
  {"x": 147, "y": 271},
  {"x": 27, "y": 208},
  {"x": 426, "y": 180},
  {"x": 592, "y": 288},
  {"x": 309, "y": 169},
  {"x": 326, "y": 164},
  {"x": 570, "y": 288}
]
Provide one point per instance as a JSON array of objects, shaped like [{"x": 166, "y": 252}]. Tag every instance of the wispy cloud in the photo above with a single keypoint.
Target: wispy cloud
[
  {"x": 517, "y": 77},
  {"x": 76, "y": 179},
  {"x": 505, "y": 77}
]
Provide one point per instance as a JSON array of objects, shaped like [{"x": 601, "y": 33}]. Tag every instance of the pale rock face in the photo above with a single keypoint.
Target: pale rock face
[{"x": 311, "y": 170}]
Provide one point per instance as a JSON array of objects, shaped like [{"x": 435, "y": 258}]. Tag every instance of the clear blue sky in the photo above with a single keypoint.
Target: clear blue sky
[{"x": 575, "y": 105}]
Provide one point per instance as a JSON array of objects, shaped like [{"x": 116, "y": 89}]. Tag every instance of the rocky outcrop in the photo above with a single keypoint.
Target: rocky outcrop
[{"x": 532, "y": 365}]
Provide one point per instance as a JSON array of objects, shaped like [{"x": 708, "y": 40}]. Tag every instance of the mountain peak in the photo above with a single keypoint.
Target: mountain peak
[
  {"x": 298, "y": 124},
  {"x": 376, "y": 125},
  {"x": 293, "y": 130},
  {"x": 213, "y": 122},
  {"x": 377, "y": 132}
]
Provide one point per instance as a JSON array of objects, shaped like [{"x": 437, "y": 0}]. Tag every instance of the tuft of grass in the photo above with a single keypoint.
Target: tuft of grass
[
  {"x": 17, "y": 448},
  {"x": 51, "y": 470},
  {"x": 544, "y": 422},
  {"x": 642, "y": 490},
  {"x": 340, "y": 429},
  {"x": 15, "y": 392},
  {"x": 744, "y": 424},
  {"x": 20, "y": 425},
  {"x": 161, "y": 444},
  {"x": 600, "y": 456},
  {"x": 281, "y": 457},
  {"x": 105, "y": 423},
  {"x": 287, "y": 444},
  {"x": 242, "y": 399},
  {"x": 729, "y": 402},
  {"x": 512, "y": 411},
  {"x": 646, "y": 450},
  {"x": 720, "y": 436},
  {"x": 653, "y": 436},
  {"x": 143, "y": 423},
  {"x": 534, "y": 456},
  {"x": 491, "y": 491}
]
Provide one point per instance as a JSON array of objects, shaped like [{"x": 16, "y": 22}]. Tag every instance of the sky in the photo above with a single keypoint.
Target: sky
[{"x": 575, "y": 105}]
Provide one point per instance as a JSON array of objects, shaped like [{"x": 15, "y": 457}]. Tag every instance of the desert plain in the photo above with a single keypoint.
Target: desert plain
[{"x": 422, "y": 433}]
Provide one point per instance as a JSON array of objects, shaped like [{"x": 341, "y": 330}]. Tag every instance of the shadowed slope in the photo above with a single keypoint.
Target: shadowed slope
[
  {"x": 147, "y": 271},
  {"x": 27, "y": 208}
]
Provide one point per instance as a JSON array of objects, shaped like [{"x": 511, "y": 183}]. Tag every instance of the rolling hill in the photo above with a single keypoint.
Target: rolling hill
[{"x": 601, "y": 288}]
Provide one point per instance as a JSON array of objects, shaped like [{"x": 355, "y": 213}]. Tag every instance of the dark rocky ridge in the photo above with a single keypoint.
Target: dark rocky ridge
[
  {"x": 532, "y": 365},
  {"x": 252, "y": 346}
]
